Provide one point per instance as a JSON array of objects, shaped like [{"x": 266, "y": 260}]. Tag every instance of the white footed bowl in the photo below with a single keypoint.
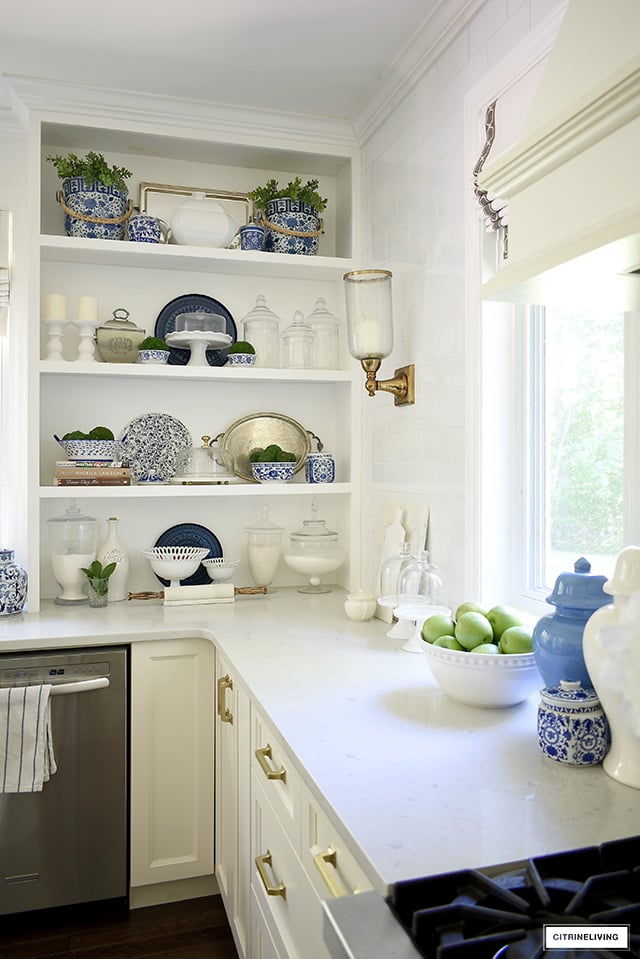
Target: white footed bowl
[{"x": 482, "y": 679}]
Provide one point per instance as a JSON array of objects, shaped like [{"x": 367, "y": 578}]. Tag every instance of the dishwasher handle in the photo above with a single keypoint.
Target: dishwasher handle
[{"x": 83, "y": 686}]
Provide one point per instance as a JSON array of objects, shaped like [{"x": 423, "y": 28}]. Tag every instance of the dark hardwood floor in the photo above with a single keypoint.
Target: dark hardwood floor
[{"x": 195, "y": 929}]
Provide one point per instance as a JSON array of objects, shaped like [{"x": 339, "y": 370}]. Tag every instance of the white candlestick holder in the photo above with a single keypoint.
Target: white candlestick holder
[
  {"x": 87, "y": 341},
  {"x": 54, "y": 328}
]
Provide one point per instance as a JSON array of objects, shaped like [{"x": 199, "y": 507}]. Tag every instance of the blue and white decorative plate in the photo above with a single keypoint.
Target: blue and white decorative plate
[
  {"x": 191, "y": 534},
  {"x": 150, "y": 445},
  {"x": 191, "y": 303}
]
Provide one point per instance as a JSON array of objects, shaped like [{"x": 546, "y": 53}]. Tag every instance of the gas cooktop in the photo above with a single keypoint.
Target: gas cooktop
[{"x": 499, "y": 913}]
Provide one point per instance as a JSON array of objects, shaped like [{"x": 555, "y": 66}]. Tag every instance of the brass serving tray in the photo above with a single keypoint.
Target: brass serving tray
[{"x": 261, "y": 429}]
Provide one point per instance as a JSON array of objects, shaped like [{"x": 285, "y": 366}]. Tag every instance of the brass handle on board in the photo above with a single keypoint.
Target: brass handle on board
[
  {"x": 326, "y": 862},
  {"x": 225, "y": 714},
  {"x": 262, "y": 862},
  {"x": 262, "y": 755}
]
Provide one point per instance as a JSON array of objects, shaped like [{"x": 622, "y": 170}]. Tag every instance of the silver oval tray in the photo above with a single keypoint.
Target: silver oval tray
[{"x": 261, "y": 429}]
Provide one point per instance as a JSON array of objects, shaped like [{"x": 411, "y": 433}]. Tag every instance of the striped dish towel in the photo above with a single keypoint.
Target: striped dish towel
[{"x": 27, "y": 759}]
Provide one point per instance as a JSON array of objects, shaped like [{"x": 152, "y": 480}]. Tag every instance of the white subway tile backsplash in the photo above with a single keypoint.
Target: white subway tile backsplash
[{"x": 416, "y": 191}]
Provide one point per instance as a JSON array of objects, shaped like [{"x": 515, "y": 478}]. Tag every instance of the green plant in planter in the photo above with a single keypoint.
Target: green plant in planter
[
  {"x": 97, "y": 433},
  {"x": 295, "y": 190},
  {"x": 93, "y": 168},
  {"x": 153, "y": 343},
  {"x": 241, "y": 346}
]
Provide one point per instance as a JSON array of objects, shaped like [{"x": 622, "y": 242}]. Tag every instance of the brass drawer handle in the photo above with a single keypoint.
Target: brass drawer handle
[
  {"x": 326, "y": 864},
  {"x": 262, "y": 862},
  {"x": 225, "y": 714},
  {"x": 263, "y": 755}
]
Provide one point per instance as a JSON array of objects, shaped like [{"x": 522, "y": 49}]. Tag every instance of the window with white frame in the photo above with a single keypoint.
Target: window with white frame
[{"x": 553, "y": 411}]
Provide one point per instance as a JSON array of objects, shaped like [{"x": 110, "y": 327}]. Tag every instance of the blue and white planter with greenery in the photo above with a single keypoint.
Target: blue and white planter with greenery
[
  {"x": 291, "y": 227},
  {"x": 94, "y": 210}
]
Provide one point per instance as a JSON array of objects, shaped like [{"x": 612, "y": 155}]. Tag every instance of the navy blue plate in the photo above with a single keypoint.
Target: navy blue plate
[
  {"x": 190, "y": 303},
  {"x": 191, "y": 534}
]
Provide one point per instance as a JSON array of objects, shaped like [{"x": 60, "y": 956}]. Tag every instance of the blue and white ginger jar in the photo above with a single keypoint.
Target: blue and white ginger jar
[
  {"x": 13, "y": 584},
  {"x": 572, "y": 726}
]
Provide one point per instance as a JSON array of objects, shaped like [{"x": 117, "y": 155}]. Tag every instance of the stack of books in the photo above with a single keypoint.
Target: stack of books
[{"x": 73, "y": 474}]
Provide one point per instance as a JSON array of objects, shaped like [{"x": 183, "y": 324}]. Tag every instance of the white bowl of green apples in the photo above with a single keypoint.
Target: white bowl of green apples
[{"x": 482, "y": 657}]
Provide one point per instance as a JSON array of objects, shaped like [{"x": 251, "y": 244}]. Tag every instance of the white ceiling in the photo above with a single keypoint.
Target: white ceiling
[{"x": 321, "y": 59}]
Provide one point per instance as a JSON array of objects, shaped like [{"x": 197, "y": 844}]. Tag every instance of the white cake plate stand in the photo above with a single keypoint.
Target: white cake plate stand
[
  {"x": 198, "y": 341},
  {"x": 417, "y": 613}
]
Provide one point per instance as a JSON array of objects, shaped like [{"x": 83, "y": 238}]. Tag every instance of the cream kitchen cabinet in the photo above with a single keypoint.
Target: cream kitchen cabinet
[
  {"x": 172, "y": 760},
  {"x": 232, "y": 812},
  {"x": 143, "y": 278},
  {"x": 299, "y": 856}
]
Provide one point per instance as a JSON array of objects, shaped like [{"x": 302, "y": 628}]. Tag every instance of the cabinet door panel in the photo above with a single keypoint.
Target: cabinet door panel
[{"x": 172, "y": 811}]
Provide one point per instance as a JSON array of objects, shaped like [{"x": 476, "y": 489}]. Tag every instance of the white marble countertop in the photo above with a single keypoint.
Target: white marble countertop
[{"x": 420, "y": 783}]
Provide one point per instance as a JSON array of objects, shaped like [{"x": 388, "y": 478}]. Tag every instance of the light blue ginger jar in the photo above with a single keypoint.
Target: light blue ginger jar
[
  {"x": 13, "y": 584},
  {"x": 557, "y": 638}
]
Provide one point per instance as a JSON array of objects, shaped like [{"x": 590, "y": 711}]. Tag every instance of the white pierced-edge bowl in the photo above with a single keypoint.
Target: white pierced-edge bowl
[
  {"x": 220, "y": 569},
  {"x": 483, "y": 679},
  {"x": 89, "y": 451},
  {"x": 175, "y": 563}
]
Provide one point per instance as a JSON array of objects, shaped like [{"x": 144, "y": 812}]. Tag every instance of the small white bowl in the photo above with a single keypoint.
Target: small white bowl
[
  {"x": 220, "y": 569},
  {"x": 273, "y": 472},
  {"x": 482, "y": 679}
]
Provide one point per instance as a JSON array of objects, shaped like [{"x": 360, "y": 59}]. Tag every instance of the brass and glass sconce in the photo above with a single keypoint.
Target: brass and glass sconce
[{"x": 370, "y": 331}]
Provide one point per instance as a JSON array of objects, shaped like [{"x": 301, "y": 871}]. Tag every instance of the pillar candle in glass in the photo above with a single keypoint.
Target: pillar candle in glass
[{"x": 369, "y": 313}]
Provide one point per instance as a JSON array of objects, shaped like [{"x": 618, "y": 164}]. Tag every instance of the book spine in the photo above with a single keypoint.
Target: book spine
[
  {"x": 92, "y": 471},
  {"x": 87, "y": 481}
]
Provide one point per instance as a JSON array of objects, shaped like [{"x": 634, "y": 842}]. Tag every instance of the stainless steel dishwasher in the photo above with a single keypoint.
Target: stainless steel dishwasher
[{"x": 69, "y": 843}]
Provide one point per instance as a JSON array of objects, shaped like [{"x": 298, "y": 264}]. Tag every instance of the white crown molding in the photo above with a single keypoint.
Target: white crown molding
[
  {"x": 32, "y": 93},
  {"x": 437, "y": 31}
]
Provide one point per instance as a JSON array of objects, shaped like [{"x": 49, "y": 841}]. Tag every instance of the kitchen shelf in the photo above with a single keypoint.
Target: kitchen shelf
[
  {"x": 64, "y": 249},
  {"x": 194, "y": 492},
  {"x": 212, "y": 374}
]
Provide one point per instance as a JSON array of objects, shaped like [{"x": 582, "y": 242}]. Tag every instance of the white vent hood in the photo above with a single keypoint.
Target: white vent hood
[{"x": 573, "y": 181}]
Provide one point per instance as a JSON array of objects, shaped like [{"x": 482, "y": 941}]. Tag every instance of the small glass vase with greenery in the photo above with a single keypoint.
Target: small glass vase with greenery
[{"x": 98, "y": 582}]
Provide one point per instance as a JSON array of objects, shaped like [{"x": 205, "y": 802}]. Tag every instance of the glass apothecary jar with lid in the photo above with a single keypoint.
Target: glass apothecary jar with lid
[
  {"x": 297, "y": 344},
  {"x": 314, "y": 551},
  {"x": 264, "y": 548},
  {"x": 261, "y": 328},
  {"x": 73, "y": 542},
  {"x": 325, "y": 346}
]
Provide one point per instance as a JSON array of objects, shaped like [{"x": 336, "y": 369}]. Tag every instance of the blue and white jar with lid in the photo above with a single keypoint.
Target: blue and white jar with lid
[
  {"x": 320, "y": 467},
  {"x": 13, "y": 584}
]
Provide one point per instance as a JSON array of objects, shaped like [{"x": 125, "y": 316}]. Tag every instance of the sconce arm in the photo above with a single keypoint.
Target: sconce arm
[{"x": 401, "y": 385}]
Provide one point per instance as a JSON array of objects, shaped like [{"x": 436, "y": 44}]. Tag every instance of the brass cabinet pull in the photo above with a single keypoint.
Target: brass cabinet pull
[
  {"x": 262, "y": 862},
  {"x": 263, "y": 755},
  {"x": 225, "y": 714},
  {"x": 326, "y": 862}
]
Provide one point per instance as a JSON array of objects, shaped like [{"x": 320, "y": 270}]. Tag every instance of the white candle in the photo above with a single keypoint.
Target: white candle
[
  {"x": 55, "y": 306},
  {"x": 88, "y": 309}
]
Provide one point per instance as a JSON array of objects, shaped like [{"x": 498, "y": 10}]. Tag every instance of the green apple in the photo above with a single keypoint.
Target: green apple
[
  {"x": 501, "y": 618},
  {"x": 472, "y": 629},
  {"x": 490, "y": 648},
  {"x": 437, "y": 625},
  {"x": 469, "y": 607},
  {"x": 516, "y": 639},
  {"x": 449, "y": 642}
]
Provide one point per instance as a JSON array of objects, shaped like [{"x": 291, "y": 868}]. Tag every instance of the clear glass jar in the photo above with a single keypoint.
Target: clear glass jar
[
  {"x": 325, "y": 326},
  {"x": 390, "y": 574},
  {"x": 264, "y": 548},
  {"x": 297, "y": 342},
  {"x": 261, "y": 328},
  {"x": 73, "y": 542},
  {"x": 314, "y": 551}
]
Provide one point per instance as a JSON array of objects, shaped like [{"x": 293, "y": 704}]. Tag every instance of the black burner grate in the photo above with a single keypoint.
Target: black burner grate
[{"x": 467, "y": 915}]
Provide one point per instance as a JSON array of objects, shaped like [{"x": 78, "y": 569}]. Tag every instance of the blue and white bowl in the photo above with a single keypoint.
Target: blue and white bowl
[
  {"x": 241, "y": 359},
  {"x": 89, "y": 451},
  {"x": 153, "y": 356},
  {"x": 273, "y": 472}
]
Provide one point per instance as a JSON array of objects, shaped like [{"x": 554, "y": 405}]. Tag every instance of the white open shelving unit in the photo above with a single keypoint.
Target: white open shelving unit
[{"x": 142, "y": 278}]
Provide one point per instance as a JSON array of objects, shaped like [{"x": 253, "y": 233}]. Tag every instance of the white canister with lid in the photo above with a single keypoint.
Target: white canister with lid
[{"x": 202, "y": 221}]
